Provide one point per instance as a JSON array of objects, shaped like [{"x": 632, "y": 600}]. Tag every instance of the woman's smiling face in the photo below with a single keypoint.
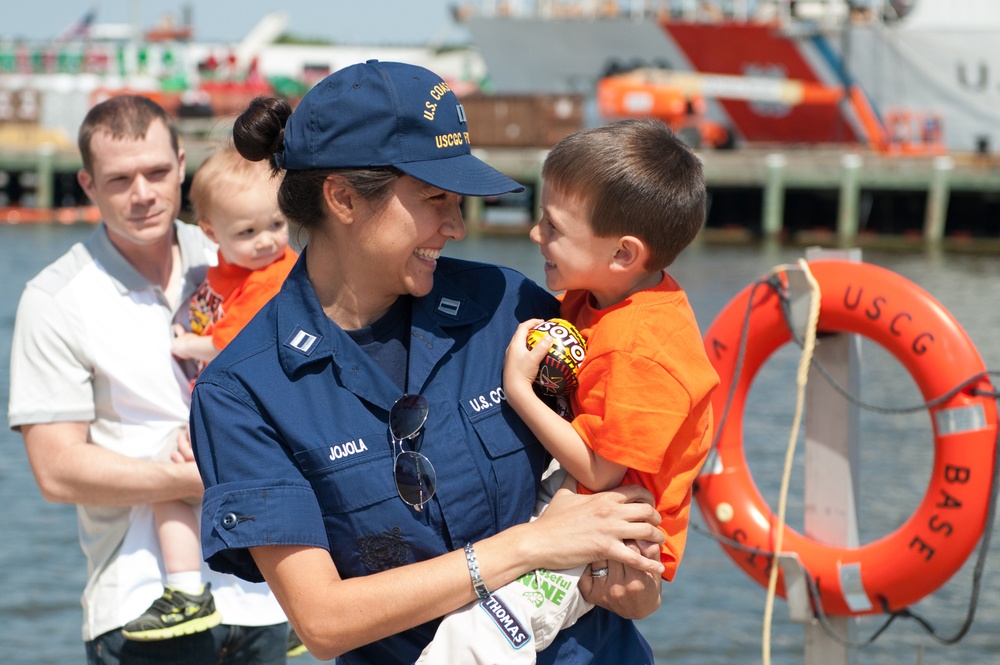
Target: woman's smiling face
[{"x": 407, "y": 234}]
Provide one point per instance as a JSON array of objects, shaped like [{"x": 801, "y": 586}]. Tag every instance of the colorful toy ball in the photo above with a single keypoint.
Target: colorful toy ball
[{"x": 557, "y": 374}]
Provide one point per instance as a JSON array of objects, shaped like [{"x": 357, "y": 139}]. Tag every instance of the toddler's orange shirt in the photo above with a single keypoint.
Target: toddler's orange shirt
[{"x": 231, "y": 295}]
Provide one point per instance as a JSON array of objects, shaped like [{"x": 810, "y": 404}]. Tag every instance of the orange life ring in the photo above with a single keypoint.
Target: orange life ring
[{"x": 922, "y": 554}]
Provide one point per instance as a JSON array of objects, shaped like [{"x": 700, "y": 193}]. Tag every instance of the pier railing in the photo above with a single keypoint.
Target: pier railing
[
  {"x": 769, "y": 180},
  {"x": 851, "y": 177}
]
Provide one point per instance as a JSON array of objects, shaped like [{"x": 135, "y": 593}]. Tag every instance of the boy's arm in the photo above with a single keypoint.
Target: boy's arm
[
  {"x": 556, "y": 434},
  {"x": 194, "y": 346}
]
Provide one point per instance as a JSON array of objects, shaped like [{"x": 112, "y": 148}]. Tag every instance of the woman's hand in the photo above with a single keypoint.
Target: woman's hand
[
  {"x": 629, "y": 593},
  {"x": 579, "y": 529}
]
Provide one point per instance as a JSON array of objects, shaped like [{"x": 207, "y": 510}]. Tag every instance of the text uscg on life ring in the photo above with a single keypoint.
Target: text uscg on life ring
[{"x": 922, "y": 554}]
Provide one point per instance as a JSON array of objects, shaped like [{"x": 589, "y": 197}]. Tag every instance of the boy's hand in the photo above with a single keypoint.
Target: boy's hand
[{"x": 521, "y": 363}]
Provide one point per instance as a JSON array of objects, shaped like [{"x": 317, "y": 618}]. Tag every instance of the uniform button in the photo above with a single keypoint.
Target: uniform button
[{"x": 230, "y": 520}]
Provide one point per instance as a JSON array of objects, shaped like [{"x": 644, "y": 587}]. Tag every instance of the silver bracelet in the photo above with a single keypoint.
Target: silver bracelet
[{"x": 477, "y": 579}]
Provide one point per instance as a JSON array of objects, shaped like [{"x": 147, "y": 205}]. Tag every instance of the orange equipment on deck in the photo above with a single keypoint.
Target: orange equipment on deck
[{"x": 678, "y": 99}]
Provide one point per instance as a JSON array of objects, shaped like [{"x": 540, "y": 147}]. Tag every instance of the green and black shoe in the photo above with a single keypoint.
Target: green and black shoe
[{"x": 173, "y": 614}]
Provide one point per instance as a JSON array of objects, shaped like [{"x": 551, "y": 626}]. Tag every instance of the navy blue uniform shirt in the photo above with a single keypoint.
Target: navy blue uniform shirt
[{"x": 289, "y": 425}]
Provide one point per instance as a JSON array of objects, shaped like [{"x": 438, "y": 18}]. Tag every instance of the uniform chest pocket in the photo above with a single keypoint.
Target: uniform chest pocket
[
  {"x": 498, "y": 427},
  {"x": 350, "y": 476}
]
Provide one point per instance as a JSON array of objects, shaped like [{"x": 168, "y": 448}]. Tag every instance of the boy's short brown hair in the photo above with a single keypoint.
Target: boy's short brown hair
[{"x": 637, "y": 179}]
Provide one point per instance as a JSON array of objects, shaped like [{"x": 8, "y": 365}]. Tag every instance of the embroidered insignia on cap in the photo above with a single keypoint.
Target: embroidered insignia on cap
[
  {"x": 382, "y": 551},
  {"x": 449, "y": 306},
  {"x": 302, "y": 341}
]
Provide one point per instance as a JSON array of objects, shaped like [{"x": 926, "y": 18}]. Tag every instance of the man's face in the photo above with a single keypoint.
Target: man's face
[{"x": 136, "y": 184}]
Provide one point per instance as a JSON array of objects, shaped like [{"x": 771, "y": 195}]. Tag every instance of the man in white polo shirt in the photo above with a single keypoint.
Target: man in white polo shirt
[{"x": 100, "y": 400}]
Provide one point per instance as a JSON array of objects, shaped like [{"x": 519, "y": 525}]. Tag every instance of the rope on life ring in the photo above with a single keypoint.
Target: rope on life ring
[{"x": 932, "y": 544}]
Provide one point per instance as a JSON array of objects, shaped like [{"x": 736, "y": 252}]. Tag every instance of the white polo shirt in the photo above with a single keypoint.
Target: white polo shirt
[{"x": 92, "y": 344}]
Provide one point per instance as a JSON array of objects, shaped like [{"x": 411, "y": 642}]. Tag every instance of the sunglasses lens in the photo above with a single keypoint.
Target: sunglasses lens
[
  {"x": 415, "y": 478},
  {"x": 407, "y": 416}
]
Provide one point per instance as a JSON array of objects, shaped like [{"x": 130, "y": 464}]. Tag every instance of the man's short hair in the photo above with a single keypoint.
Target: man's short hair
[{"x": 124, "y": 117}]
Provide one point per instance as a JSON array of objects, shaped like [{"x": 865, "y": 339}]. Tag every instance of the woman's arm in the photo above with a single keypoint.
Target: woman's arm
[
  {"x": 333, "y": 615},
  {"x": 553, "y": 431}
]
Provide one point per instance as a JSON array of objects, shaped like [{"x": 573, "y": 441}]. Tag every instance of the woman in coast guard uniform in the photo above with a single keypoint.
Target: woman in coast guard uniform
[{"x": 291, "y": 422}]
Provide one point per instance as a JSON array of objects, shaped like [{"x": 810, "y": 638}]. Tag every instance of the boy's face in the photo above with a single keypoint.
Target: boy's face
[
  {"x": 575, "y": 259},
  {"x": 250, "y": 230}
]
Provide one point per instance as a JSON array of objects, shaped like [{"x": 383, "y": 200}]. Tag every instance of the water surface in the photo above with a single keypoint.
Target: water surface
[{"x": 712, "y": 613}]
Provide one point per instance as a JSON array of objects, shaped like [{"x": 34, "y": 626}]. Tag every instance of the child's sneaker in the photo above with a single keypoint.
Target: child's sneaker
[{"x": 173, "y": 614}]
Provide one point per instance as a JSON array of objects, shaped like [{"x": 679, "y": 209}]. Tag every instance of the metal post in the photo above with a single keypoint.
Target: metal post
[
  {"x": 850, "y": 186},
  {"x": 774, "y": 195},
  {"x": 937, "y": 200},
  {"x": 45, "y": 189},
  {"x": 473, "y": 214},
  {"x": 831, "y": 465}
]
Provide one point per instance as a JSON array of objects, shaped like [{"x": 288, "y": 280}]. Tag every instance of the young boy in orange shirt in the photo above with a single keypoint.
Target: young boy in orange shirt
[
  {"x": 619, "y": 203},
  {"x": 236, "y": 205}
]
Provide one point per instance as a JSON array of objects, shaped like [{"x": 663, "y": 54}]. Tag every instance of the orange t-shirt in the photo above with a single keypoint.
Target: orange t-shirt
[
  {"x": 231, "y": 295},
  {"x": 643, "y": 400}
]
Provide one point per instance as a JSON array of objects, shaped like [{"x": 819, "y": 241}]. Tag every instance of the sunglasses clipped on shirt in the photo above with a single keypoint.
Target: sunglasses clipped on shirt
[{"x": 413, "y": 472}]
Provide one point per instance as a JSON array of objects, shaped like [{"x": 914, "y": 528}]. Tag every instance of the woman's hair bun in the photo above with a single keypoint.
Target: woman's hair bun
[{"x": 258, "y": 132}]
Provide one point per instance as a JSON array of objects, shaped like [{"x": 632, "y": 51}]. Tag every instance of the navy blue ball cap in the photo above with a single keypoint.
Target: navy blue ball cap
[{"x": 389, "y": 114}]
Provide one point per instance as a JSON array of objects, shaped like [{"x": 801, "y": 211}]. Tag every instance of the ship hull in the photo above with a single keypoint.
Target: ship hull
[{"x": 952, "y": 72}]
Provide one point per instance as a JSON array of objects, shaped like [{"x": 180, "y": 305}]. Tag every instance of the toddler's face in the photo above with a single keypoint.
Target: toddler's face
[{"x": 249, "y": 228}]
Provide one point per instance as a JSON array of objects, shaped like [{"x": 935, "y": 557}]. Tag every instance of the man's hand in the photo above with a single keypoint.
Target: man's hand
[
  {"x": 184, "y": 452},
  {"x": 627, "y": 592}
]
